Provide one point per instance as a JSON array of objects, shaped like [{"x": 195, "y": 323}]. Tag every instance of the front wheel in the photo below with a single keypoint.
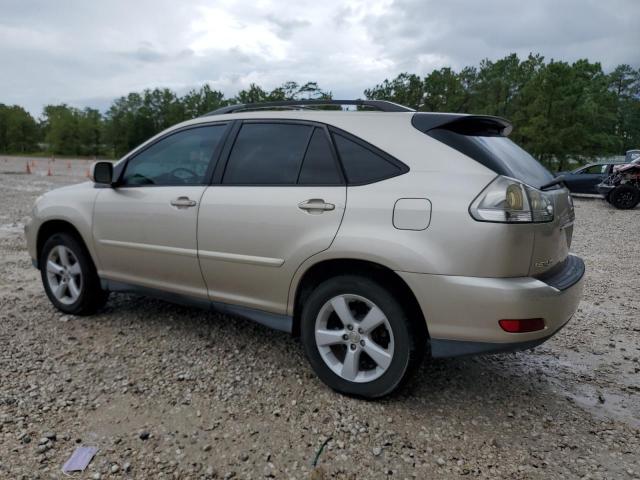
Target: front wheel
[
  {"x": 625, "y": 196},
  {"x": 358, "y": 338},
  {"x": 69, "y": 276}
]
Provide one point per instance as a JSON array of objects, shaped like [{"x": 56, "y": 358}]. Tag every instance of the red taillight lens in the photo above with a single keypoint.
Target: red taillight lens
[{"x": 522, "y": 325}]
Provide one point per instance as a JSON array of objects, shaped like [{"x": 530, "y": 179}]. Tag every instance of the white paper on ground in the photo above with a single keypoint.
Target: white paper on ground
[{"x": 80, "y": 459}]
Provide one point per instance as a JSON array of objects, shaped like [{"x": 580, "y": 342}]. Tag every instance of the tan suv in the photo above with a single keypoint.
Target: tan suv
[{"x": 372, "y": 235}]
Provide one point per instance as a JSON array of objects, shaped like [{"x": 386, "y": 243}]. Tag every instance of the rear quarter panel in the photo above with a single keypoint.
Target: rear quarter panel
[{"x": 453, "y": 243}]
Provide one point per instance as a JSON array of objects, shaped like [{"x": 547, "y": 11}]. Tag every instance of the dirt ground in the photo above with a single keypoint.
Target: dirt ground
[{"x": 172, "y": 392}]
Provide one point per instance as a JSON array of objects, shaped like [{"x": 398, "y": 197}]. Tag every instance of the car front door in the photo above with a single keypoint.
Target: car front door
[
  {"x": 587, "y": 178},
  {"x": 145, "y": 227},
  {"x": 278, "y": 201}
]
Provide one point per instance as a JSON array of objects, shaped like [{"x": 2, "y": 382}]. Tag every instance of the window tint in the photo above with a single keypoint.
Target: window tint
[
  {"x": 497, "y": 153},
  {"x": 595, "y": 169},
  {"x": 516, "y": 161},
  {"x": 179, "y": 159},
  {"x": 319, "y": 166},
  {"x": 361, "y": 164},
  {"x": 267, "y": 154}
]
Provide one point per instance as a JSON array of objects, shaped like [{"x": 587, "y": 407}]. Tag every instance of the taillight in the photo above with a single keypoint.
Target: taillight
[
  {"x": 522, "y": 325},
  {"x": 507, "y": 200}
]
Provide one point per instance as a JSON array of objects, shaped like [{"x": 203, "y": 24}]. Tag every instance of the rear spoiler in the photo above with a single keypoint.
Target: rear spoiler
[{"x": 476, "y": 125}]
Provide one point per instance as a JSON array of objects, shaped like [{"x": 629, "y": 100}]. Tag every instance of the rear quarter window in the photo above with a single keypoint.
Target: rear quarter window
[{"x": 363, "y": 164}]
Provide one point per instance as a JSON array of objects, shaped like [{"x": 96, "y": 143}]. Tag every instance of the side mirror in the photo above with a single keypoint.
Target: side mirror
[{"x": 102, "y": 173}]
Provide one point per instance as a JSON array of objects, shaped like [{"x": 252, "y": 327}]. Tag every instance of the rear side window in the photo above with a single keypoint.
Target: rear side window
[
  {"x": 267, "y": 154},
  {"x": 361, "y": 164},
  {"x": 319, "y": 166}
]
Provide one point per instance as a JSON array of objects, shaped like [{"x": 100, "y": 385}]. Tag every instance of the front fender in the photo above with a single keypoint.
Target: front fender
[{"x": 72, "y": 205}]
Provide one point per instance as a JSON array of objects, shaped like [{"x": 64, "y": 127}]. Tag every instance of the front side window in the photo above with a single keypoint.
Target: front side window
[
  {"x": 595, "y": 169},
  {"x": 179, "y": 159}
]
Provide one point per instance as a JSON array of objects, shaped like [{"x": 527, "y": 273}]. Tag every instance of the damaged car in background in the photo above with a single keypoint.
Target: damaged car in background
[{"x": 622, "y": 188}]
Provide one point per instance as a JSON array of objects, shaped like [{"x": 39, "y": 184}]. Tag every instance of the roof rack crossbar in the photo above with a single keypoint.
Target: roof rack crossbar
[{"x": 382, "y": 105}]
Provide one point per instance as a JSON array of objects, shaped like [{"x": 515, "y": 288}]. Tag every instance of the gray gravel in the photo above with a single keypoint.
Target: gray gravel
[{"x": 171, "y": 392}]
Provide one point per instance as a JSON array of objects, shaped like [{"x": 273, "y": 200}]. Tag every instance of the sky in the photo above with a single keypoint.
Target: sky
[{"x": 89, "y": 52}]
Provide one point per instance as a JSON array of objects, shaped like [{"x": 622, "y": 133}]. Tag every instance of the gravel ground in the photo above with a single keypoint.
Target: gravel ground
[{"x": 171, "y": 392}]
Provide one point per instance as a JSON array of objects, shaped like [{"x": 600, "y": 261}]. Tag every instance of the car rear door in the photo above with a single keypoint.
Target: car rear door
[
  {"x": 277, "y": 199},
  {"x": 145, "y": 228}
]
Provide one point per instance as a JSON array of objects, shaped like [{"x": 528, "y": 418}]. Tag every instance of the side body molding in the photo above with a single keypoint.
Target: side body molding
[{"x": 276, "y": 321}]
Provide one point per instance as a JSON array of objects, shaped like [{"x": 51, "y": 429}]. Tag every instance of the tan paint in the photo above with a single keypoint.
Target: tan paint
[
  {"x": 239, "y": 223},
  {"x": 141, "y": 238},
  {"x": 251, "y": 246}
]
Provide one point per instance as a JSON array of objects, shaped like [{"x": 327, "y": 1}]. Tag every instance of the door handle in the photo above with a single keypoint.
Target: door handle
[
  {"x": 316, "y": 204},
  {"x": 183, "y": 202}
]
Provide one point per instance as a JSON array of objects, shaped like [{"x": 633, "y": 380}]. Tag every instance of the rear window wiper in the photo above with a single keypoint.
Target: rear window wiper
[{"x": 554, "y": 182}]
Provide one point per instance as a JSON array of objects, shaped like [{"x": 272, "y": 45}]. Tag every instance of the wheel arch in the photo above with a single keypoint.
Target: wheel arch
[
  {"x": 315, "y": 274},
  {"x": 53, "y": 226}
]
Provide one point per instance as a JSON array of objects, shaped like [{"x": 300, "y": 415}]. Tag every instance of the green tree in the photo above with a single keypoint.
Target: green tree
[
  {"x": 202, "y": 101},
  {"x": 18, "y": 130},
  {"x": 287, "y": 91},
  {"x": 624, "y": 83},
  {"x": 90, "y": 132},
  {"x": 559, "y": 110},
  {"x": 406, "y": 89},
  {"x": 447, "y": 91},
  {"x": 60, "y": 126},
  {"x": 133, "y": 119}
]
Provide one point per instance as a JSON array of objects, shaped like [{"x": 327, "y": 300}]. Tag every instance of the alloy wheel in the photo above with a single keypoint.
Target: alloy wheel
[
  {"x": 354, "y": 338},
  {"x": 64, "y": 274}
]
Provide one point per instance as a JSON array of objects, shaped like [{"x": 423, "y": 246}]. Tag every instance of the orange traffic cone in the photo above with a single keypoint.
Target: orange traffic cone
[{"x": 28, "y": 169}]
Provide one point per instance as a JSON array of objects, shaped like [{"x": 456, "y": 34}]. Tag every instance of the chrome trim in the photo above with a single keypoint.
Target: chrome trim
[
  {"x": 235, "y": 257},
  {"x": 186, "y": 252}
]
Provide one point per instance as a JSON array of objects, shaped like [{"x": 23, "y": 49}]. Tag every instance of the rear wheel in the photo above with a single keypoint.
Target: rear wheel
[
  {"x": 625, "y": 196},
  {"x": 358, "y": 337},
  {"x": 69, "y": 276}
]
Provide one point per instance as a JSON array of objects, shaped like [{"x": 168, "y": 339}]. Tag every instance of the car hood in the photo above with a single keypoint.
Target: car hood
[{"x": 70, "y": 189}]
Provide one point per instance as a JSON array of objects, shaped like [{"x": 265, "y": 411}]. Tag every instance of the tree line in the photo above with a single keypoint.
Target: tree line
[{"x": 560, "y": 110}]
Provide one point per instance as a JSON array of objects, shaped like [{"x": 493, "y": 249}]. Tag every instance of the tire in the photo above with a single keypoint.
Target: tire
[
  {"x": 69, "y": 276},
  {"x": 396, "y": 343},
  {"x": 625, "y": 197}
]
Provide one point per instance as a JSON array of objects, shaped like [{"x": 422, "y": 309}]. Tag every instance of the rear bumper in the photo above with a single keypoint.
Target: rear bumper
[{"x": 462, "y": 313}]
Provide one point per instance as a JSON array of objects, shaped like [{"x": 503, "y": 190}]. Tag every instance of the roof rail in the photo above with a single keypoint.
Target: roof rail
[{"x": 382, "y": 105}]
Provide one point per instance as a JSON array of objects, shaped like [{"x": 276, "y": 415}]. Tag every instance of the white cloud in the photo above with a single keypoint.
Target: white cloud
[{"x": 87, "y": 53}]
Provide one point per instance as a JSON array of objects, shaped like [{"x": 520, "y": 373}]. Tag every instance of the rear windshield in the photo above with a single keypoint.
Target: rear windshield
[{"x": 497, "y": 153}]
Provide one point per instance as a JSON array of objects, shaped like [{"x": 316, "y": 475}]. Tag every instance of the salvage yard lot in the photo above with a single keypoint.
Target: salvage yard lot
[{"x": 220, "y": 397}]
